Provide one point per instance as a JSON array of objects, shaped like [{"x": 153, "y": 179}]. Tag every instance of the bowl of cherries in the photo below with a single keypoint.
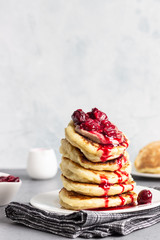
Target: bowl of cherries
[{"x": 9, "y": 186}]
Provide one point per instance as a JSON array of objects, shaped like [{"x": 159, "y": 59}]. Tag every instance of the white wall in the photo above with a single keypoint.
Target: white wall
[{"x": 57, "y": 56}]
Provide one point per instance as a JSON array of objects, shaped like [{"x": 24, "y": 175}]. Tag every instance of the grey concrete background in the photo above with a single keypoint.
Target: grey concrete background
[{"x": 57, "y": 56}]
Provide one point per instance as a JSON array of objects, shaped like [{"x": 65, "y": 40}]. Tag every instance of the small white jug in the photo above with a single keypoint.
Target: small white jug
[{"x": 42, "y": 163}]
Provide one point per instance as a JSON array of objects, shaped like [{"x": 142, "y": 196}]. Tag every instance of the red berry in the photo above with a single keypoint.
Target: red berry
[
  {"x": 145, "y": 196},
  {"x": 16, "y": 179},
  {"x": 9, "y": 178},
  {"x": 105, "y": 123},
  {"x": 79, "y": 116},
  {"x": 2, "y": 179},
  {"x": 97, "y": 114},
  {"x": 90, "y": 115},
  {"x": 90, "y": 125}
]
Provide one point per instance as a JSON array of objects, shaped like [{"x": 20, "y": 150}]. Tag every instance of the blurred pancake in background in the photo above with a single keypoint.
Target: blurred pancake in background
[{"x": 148, "y": 159}]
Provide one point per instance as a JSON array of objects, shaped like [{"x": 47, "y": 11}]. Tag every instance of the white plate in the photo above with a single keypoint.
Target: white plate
[
  {"x": 148, "y": 175},
  {"x": 49, "y": 201}
]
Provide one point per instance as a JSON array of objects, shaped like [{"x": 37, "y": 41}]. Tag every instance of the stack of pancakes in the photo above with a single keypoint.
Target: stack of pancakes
[{"x": 89, "y": 182}]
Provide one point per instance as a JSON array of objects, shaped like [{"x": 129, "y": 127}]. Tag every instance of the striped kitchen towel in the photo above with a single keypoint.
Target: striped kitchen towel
[{"x": 86, "y": 224}]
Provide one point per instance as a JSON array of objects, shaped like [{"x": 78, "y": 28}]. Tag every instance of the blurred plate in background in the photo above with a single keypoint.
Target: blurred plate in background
[{"x": 147, "y": 175}]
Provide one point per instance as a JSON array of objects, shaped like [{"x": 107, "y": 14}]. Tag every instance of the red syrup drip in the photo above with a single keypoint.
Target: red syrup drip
[
  {"x": 132, "y": 187},
  {"x": 106, "y": 202},
  {"x": 111, "y": 208},
  {"x": 122, "y": 186},
  {"x": 122, "y": 200},
  {"x": 105, "y": 188},
  {"x": 124, "y": 159},
  {"x": 119, "y": 162},
  {"x": 125, "y": 143},
  {"x": 132, "y": 198},
  {"x": 106, "y": 149},
  {"x": 119, "y": 176},
  {"x": 106, "y": 152},
  {"x": 126, "y": 174},
  {"x": 105, "y": 185},
  {"x": 104, "y": 180}
]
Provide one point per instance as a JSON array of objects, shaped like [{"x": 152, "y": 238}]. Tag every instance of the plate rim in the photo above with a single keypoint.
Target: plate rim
[
  {"x": 62, "y": 211},
  {"x": 134, "y": 172}
]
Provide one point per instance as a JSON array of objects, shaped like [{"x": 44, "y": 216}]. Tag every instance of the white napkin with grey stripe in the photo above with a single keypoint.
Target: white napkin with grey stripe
[{"x": 86, "y": 224}]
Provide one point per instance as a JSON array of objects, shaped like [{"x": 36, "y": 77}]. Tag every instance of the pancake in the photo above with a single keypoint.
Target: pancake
[
  {"x": 76, "y": 201},
  {"x": 93, "y": 151},
  {"x": 148, "y": 159},
  {"x": 90, "y": 189},
  {"x": 75, "y": 172},
  {"x": 73, "y": 153}
]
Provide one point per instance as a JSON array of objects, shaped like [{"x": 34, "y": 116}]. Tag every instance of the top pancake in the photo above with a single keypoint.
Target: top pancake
[
  {"x": 148, "y": 159},
  {"x": 73, "y": 153},
  {"x": 92, "y": 151}
]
